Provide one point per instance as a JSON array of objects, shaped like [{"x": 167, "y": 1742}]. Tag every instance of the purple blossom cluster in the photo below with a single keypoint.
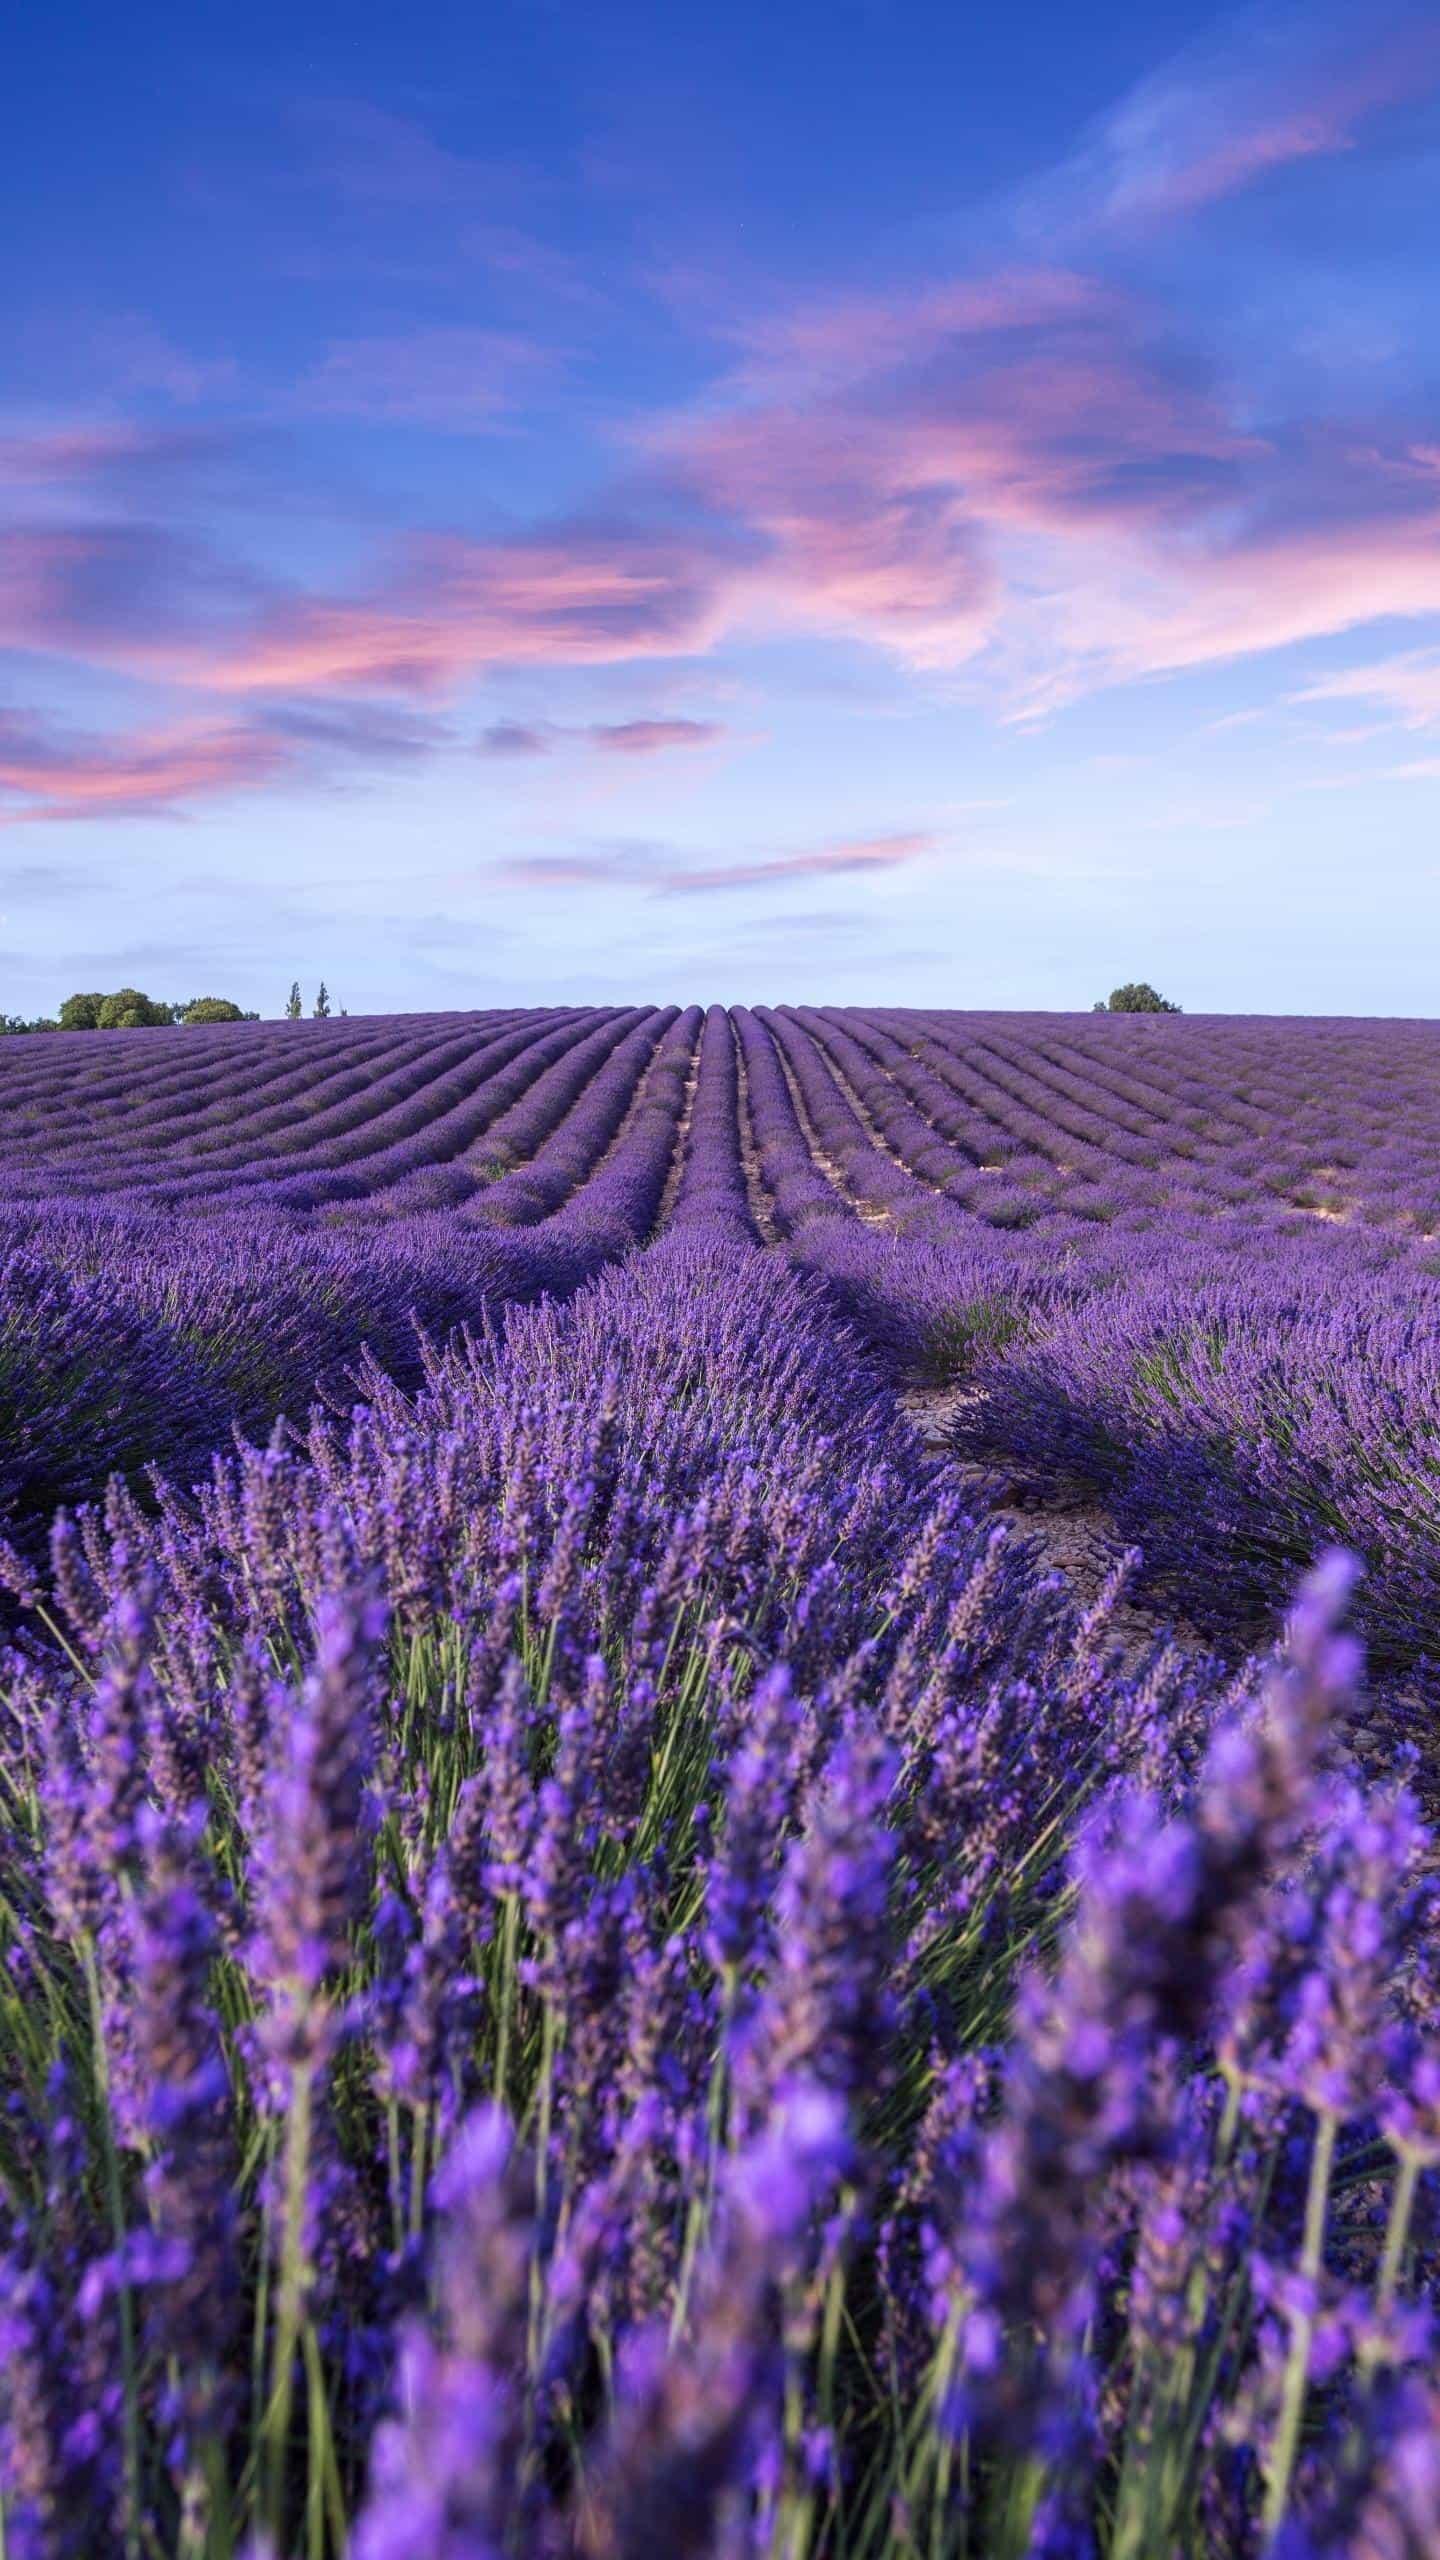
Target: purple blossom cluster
[
  {"x": 597, "y": 1958},
  {"x": 593, "y": 1960}
]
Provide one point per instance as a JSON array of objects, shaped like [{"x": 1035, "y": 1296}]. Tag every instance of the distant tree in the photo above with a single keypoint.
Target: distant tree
[
  {"x": 1137, "y": 999},
  {"x": 129, "y": 1009},
  {"x": 11, "y": 1024},
  {"x": 322, "y": 1004},
  {"x": 211, "y": 1009},
  {"x": 81, "y": 1013},
  {"x": 293, "y": 1007}
]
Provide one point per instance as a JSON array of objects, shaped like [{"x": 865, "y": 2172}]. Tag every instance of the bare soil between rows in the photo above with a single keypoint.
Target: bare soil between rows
[{"x": 1075, "y": 1537}]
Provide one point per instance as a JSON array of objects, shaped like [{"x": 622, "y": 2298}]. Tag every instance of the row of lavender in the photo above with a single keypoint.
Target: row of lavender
[
  {"x": 1238, "y": 1384},
  {"x": 1237, "y": 1388},
  {"x": 594, "y": 1968},
  {"x": 128, "y": 1335},
  {"x": 1012, "y": 1119}
]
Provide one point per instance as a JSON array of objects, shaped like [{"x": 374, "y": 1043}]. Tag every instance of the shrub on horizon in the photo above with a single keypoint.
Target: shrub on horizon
[
  {"x": 212, "y": 1009},
  {"x": 1137, "y": 997}
]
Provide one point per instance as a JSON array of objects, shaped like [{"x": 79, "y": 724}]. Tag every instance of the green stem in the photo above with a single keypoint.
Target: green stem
[
  {"x": 1302, "y": 2331},
  {"x": 326, "y": 2499},
  {"x": 508, "y": 1933},
  {"x": 1397, "y": 2231},
  {"x": 293, "y": 2276},
  {"x": 698, "y": 2212},
  {"x": 419, "y": 2161},
  {"x": 115, "y": 2200},
  {"x": 392, "y": 2160}
]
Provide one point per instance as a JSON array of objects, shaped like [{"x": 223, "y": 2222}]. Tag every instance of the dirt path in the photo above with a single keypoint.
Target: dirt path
[
  {"x": 835, "y": 1175},
  {"x": 761, "y": 1210},
  {"x": 1078, "y": 1538},
  {"x": 848, "y": 1093},
  {"x": 681, "y": 1144}
]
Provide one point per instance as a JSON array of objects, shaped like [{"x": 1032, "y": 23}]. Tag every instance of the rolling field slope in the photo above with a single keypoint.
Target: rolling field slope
[
  {"x": 1186, "y": 1265},
  {"x": 1017, "y": 1120}
]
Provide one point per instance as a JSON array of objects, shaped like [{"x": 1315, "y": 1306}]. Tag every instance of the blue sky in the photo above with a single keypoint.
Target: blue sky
[{"x": 546, "y": 503}]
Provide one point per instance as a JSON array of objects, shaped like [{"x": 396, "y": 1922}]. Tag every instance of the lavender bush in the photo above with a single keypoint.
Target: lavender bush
[{"x": 596, "y": 1961}]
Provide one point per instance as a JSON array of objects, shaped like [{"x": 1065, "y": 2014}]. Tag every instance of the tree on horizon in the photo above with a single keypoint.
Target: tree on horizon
[{"x": 1137, "y": 997}]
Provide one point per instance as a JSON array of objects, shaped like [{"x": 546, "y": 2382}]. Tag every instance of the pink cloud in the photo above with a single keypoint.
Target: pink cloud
[
  {"x": 462, "y": 378},
  {"x": 569, "y": 870},
  {"x": 114, "y": 467},
  {"x": 59, "y": 457},
  {"x": 631, "y": 864},
  {"x": 57, "y": 776},
  {"x": 1236, "y": 160},
  {"x": 1266, "y": 593},
  {"x": 615, "y": 737},
  {"x": 887, "y": 499},
  {"x": 1015, "y": 473},
  {"x": 1066, "y": 501},
  {"x": 112, "y": 593},
  {"x": 1274, "y": 88},
  {"x": 852, "y": 543},
  {"x": 584, "y": 595},
  {"x": 837, "y": 339},
  {"x": 858, "y": 853},
  {"x": 1072, "y": 500},
  {"x": 653, "y": 737},
  {"x": 1407, "y": 686}
]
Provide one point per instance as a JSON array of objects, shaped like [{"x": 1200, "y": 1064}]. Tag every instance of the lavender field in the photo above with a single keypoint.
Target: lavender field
[{"x": 716, "y": 1761}]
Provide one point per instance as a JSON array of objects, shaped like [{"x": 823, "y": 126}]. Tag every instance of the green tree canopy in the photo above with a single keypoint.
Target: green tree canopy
[
  {"x": 1137, "y": 998},
  {"x": 129, "y": 1009},
  {"x": 81, "y": 1013}
]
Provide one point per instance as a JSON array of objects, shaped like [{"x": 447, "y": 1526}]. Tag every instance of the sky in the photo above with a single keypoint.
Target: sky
[{"x": 851, "y": 502}]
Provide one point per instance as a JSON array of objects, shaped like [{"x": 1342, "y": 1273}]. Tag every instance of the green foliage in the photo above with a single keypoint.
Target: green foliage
[
  {"x": 129, "y": 1009},
  {"x": 293, "y": 1005},
  {"x": 81, "y": 1013},
  {"x": 211, "y": 1009},
  {"x": 12, "y": 1024},
  {"x": 1137, "y": 998},
  {"x": 962, "y": 1335},
  {"x": 322, "y": 1004}
]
